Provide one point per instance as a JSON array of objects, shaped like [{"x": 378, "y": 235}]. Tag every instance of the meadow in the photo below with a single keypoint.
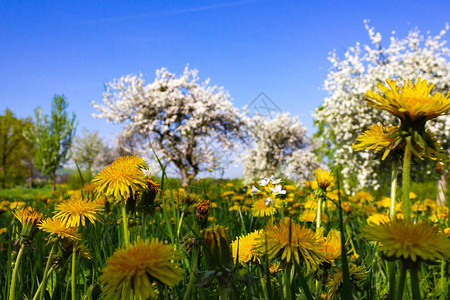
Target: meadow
[
  {"x": 205, "y": 225},
  {"x": 128, "y": 235}
]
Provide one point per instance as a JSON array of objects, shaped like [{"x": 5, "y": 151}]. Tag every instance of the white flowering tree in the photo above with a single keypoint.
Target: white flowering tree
[
  {"x": 344, "y": 114},
  {"x": 187, "y": 122},
  {"x": 280, "y": 147}
]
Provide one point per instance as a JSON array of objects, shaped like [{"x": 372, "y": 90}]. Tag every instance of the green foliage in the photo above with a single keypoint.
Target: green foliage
[
  {"x": 52, "y": 136},
  {"x": 15, "y": 151},
  {"x": 85, "y": 149}
]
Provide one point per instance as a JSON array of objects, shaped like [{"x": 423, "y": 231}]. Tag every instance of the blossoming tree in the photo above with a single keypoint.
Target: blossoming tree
[
  {"x": 280, "y": 147},
  {"x": 183, "y": 120},
  {"x": 343, "y": 114}
]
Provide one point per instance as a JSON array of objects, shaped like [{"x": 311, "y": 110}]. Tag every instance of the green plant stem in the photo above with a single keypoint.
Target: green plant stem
[
  {"x": 74, "y": 252},
  {"x": 405, "y": 183},
  {"x": 12, "y": 291},
  {"x": 44, "y": 278},
  {"x": 223, "y": 292},
  {"x": 287, "y": 278},
  {"x": 319, "y": 204},
  {"x": 401, "y": 283},
  {"x": 415, "y": 286},
  {"x": 41, "y": 288},
  {"x": 392, "y": 278},
  {"x": 126, "y": 236},
  {"x": 393, "y": 187},
  {"x": 305, "y": 287},
  {"x": 192, "y": 275},
  {"x": 443, "y": 277}
]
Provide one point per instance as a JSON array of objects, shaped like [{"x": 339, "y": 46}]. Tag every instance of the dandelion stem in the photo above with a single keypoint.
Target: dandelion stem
[
  {"x": 401, "y": 283},
  {"x": 405, "y": 183},
  {"x": 392, "y": 278},
  {"x": 192, "y": 275},
  {"x": 126, "y": 236},
  {"x": 287, "y": 277},
  {"x": 415, "y": 287},
  {"x": 74, "y": 251},
  {"x": 12, "y": 291},
  {"x": 393, "y": 187},
  {"x": 319, "y": 204},
  {"x": 305, "y": 287},
  {"x": 41, "y": 288},
  {"x": 44, "y": 278}
]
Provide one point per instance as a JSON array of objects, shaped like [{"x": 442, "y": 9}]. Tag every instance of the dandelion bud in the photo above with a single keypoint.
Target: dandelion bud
[
  {"x": 216, "y": 240},
  {"x": 30, "y": 219}
]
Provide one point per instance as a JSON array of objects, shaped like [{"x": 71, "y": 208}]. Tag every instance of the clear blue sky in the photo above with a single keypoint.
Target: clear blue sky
[{"x": 279, "y": 47}]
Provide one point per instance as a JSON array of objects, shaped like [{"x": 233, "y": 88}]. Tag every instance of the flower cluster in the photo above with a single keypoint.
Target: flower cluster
[{"x": 343, "y": 113}]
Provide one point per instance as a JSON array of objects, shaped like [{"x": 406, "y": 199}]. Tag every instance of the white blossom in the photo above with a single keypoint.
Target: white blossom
[
  {"x": 344, "y": 114},
  {"x": 277, "y": 145},
  {"x": 189, "y": 124}
]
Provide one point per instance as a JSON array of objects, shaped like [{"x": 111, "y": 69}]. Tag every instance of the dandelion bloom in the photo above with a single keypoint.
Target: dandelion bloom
[
  {"x": 408, "y": 240},
  {"x": 324, "y": 178},
  {"x": 358, "y": 275},
  {"x": 377, "y": 219},
  {"x": 133, "y": 270},
  {"x": 290, "y": 241},
  {"x": 203, "y": 209},
  {"x": 216, "y": 239},
  {"x": 245, "y": 245},
  {"x": 377, "y": 137},
  {"x": 411, "y": 102},
  {"x": 332, "y": 246},
  {"x": 57, "y": 228},
  {"x": 75, "y": 211},
  {"x": 123, "y": 178},
  {"x": 29, "y": 218},
  {"x": 263, "y": 208}
]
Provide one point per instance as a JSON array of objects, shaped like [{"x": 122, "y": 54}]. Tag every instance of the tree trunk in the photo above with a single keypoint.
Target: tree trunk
[
  {"x": 184, "y": 178},
  {"x": 30, "y": 176},
  {"x": 442, "y": 188},
  {"x": 53, "y": 181}
]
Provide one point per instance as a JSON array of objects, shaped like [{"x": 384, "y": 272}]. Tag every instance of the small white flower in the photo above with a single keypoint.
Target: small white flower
[
  {"x": 264, "y": 181},
  {"x": 277, "y": 190},
  {"x": 267, "y": 201},
  {"x": 274, "y": 181},
  {"x": 254, "y": 190}
]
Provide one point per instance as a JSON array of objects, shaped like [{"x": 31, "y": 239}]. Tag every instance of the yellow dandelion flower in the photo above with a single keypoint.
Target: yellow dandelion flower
[
  {"x": 57, "y": 228},
  {"x": 203, "y": 209},
  {"x": 216, "y": 239},
  {"x": 274, "y": 267},
  {"x": 245, "y": 245},
  {"x": 308, "y": 216},
  {"x": 290, "y": 241},
  {"x": 324, "y": 178},
  {"x": 362, "y": 197},
  {"x": 408, "y": 240},
  {"x": 123, "y": 178},
  {"x": 74, "y": 212},
  {"x": 3, "y": 230},
  {"x": 263, "y": 208},
  {"x": 385, "y": 202},
  {"x": 358, "y": 275},
  {"x": 133, "y": 270},
  {"x": 447, "y": 231},
  {"x": 227, "y": 194},
  {"x": 411, "y": 102},
  {"x": 377, "y": 219},
  {"x": 238, "y": 198},
  {"x": 377, "y": 137},
  {"x": 332, "y": 246},
  {"x": 30, "y": 219}
]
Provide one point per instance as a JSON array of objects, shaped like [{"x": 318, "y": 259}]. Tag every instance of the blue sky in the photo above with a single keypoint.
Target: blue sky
[{"x": 277, "y": 47}]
